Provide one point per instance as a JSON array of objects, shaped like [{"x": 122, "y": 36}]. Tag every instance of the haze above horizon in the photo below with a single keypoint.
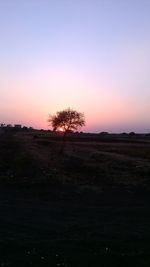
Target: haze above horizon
[{"x": 92, "y": 56}]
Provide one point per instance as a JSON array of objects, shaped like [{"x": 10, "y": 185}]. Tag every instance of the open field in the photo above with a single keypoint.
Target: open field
[{"x": 86, "y": 207}]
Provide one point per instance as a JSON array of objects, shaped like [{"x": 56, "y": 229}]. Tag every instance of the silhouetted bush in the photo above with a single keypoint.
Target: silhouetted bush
[{"x": 132, "y": 134}]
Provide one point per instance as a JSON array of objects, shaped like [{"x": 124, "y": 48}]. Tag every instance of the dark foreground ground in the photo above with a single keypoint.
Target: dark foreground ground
[{"x": 67, "y": 218}]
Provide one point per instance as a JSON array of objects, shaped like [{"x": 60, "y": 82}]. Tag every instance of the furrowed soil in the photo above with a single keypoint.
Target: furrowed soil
[{"x": 87, "y": 207}]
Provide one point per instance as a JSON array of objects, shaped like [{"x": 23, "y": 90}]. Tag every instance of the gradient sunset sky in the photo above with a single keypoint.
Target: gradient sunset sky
[{"x": 90, "y": 55}]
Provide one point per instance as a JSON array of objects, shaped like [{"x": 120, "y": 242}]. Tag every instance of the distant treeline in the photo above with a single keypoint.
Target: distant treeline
[
  {"x": 78, "y": 136},
  {"x": 46, "y": 136}
]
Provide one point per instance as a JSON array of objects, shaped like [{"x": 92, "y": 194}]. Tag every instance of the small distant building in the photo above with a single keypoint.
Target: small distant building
[{"x": 18, "y": 126}]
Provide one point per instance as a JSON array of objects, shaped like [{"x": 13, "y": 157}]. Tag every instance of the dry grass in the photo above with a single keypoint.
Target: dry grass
[
  {"x": 24, "y": 158},
  {"x": 87, "y": 207}
]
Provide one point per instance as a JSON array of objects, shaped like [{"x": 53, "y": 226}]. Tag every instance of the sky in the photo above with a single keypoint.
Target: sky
[{"x": 90, "y": 55}]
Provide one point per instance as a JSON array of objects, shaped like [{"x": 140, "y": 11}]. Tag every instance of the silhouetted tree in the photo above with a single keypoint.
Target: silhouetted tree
[{"x": 65, "y": 121}]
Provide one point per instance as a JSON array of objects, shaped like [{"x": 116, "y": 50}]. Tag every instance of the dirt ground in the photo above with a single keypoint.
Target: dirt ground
[{"x": 66, "y": 223}]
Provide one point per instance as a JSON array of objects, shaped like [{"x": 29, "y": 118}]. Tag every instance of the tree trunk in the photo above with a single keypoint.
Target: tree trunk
[{"x": 63, "y": 143}]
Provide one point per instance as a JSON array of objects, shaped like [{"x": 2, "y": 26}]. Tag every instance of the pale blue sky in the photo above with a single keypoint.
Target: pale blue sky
[{"x": 91, "y": 55}]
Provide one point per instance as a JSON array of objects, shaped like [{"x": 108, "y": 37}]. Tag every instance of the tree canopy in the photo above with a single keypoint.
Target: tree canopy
[{"x": 67, "y": 120}]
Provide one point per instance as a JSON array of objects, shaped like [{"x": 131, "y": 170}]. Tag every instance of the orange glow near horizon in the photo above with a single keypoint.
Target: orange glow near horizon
[
  {"x": 105, "y": 107},
  {"x": 60, "y": 129}
]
